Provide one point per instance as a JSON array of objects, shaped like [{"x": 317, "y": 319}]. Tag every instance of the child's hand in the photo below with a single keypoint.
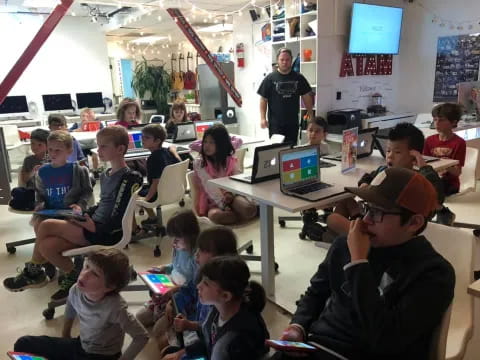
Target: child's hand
[
  {"x": 169, "y": 312},
  {"x": 419, "y": 160},
  {"x": 39, "y": 207},
  {"x": 77, "y": 210},
  {"x": 88, "y": 224},
  {"x": 292, "y": 333},
  {"x": 175, "y": 356},
  {"x": 35, "y": 168},
  {"x": 455, "y": 170},
  {"x": 358, "y": 240},
  {"x": 180, "y": 324},
  {"x": 228, "y": 198},
  {"x": 157, "y": 269}
]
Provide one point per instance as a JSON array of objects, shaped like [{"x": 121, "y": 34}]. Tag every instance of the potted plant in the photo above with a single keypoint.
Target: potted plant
[{"x": 155, "y": 80}]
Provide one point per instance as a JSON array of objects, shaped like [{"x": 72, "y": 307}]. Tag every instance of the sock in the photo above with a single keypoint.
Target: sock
[{"x": 33, "y": 269}]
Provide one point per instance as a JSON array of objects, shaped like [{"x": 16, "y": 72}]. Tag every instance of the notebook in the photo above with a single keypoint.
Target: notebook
[
  {"x": 185, "y": 132},
  {"x": 300, "y": 175},
  {"x": 365, "y": 142},
  {"x": 265, "y": 164}
]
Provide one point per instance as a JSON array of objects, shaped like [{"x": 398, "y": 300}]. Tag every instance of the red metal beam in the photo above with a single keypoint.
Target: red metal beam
[
  {"x": 213, "y": 64},
  {"x": 32, "y": 49}
]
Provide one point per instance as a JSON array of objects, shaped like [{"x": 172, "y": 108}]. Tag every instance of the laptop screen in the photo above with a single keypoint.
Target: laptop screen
[
  {"x": 299, "y": 167},
  {"x": 185, "y": 131},
  {"x": 201, "y": 126},
  {"x": 365, "y": 141},
  {"x": 135, "y": 140}
]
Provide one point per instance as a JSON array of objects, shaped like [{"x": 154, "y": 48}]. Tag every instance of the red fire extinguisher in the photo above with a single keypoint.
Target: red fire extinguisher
[{"x": 240, "y": 55}]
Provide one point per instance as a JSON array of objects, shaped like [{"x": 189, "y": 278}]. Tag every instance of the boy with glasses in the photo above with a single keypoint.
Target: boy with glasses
[{"x": 371, "y": 298}]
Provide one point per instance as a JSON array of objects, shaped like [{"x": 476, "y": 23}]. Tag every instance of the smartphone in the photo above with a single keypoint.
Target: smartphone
[{"x": 290, "y": 346}]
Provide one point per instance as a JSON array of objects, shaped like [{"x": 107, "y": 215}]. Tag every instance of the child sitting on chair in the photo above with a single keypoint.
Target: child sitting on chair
[
  {"x": 317, "y": 134},
  {"x": 183, "y": 228},
  {"x": 31, "y": 163},
  {"x": 128, "y": 113},
  {"x": 217, "y": 160},
  {"x": 59, "y": 122},
  {"x": 178, "y": 115},
  {"x": 214, "y": 241},
  {"x": 102, "y": 225},
  {"x": 153, "y": 136},
  {"x": 102, "y": 313}
]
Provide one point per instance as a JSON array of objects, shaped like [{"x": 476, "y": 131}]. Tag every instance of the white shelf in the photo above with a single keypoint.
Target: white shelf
[
  {"x": 308, "y": 62},
  {"x": 293, "y": 40},
  {"x": 313, "y": 85},
  {"x": 314, "y": 37},
  {"x": 278, "y": 20},
  {"x": 313, "y": 12},
  {"x": 314, "y": 108}
]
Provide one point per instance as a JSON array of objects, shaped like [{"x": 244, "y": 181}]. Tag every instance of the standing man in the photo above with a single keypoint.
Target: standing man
[{"x": 280, "y": 90}]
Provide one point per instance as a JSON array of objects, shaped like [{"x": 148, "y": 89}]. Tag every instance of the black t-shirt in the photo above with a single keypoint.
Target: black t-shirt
[
  {"x": 157, "y": 161},
  {"x": 282, "y": 93}
]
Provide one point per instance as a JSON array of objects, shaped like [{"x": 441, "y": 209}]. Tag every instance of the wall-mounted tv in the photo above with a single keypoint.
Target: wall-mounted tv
[
  {"x": 375, "y": 29},
  {"x": 90, "y": 100},
  {"x": 57, "y": 102},
  {"x": 14, "y": 105}
]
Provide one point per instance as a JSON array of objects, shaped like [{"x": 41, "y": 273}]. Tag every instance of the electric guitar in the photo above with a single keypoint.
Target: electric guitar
[{"x": 189, "y": 80}]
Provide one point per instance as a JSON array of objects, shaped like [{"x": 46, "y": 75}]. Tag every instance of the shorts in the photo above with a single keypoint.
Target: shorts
[
  {"x": 144, "y": 191},
  {"x": 102, "y": 238},
  {"x": 448, "y": 188}
]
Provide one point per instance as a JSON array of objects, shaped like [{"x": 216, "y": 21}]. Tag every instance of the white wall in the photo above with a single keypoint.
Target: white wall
[{"x": 73, "y": 59}]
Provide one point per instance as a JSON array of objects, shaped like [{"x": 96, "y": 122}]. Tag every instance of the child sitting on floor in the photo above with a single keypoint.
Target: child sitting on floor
[
  {"x": 217, "y": 160},
  {"x": 102, "y": 313}
]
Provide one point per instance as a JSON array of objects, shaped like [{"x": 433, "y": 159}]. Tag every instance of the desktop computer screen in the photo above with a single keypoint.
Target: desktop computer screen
[
  {"x": 57, "y": 102},
  {"x": 89, "y": 100},
  {"x": 14, "y": 105}
]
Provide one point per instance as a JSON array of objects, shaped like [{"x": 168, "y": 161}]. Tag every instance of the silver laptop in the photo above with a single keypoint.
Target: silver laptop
[
  {"x": 265, "y": 164},
  {"x": 185, "y": 132},
  {"x": 381, "y": 141},
  {"x": 300, "y": 175},
  {"x": 365, "y": 142}
]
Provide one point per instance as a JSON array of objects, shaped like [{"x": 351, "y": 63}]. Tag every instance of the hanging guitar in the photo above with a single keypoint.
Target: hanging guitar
[
  {"x": 177, "y": 79},
  {"x": 189, "y": 80}
]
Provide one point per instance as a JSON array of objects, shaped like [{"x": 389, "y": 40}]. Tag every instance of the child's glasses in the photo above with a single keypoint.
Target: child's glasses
[{"x": 375, "y": 213}]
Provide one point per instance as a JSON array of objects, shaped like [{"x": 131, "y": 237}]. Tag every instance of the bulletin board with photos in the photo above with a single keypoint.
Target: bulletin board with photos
[{"x": 458, "y": 59}]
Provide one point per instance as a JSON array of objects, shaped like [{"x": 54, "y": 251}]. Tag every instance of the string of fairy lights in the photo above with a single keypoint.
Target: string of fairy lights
[{"x": 443, "y": 22}]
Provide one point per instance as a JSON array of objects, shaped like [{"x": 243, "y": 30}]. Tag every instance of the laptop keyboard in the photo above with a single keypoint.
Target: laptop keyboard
[
  {"x": 137, "y": 150},
  {"x": 310, "y": 188},
  {"x": 182, "y": 148},
  {"x": 325, "y": 164}
]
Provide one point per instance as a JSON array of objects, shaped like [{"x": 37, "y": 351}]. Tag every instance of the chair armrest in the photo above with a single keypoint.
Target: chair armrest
[{"x": 474, "y": 288}]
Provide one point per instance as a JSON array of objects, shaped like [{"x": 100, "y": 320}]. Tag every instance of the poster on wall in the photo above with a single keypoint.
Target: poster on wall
[
  {"x": 457, "y": 61},
  {"x": 349, "y": 149}
]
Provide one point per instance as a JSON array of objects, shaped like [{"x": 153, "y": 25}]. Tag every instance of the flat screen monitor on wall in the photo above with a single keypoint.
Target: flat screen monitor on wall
[
  {"x": 375, "y": 29},
  {"x": 57, "y": 102},
  {"x": 90, "y": 100},
  {"x": 14, "y": 105}
]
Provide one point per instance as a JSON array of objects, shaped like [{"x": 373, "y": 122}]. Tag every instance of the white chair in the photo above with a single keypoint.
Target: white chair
[
  {"x": 457, "y": 246},
  {"x": 157, "y": 119},
  {"x": 127, "y": 223},
  {"x": 277, "y": 138},
  {"x": 12, "y": 137},
  {"x": 240, "y": 155},
  {"x": 171, "y": 189},
  {"x": 423, "y": 120},
  {"x": 467, "y": 177}
]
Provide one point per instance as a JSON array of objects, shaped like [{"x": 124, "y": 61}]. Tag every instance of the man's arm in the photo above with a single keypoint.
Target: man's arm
[
  {"x": 263, "y": 112},
  {"x": 308, "y": 101}
]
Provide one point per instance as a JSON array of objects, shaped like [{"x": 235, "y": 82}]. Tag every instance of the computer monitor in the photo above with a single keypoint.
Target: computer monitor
[
  {"x": 57, "y": 102},
  {"x": 14, "y": 105},
  {"x": 89, "y": 100}
]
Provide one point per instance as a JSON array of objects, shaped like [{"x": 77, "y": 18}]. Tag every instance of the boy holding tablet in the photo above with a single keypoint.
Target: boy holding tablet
[{"x": 371, "y": 297}]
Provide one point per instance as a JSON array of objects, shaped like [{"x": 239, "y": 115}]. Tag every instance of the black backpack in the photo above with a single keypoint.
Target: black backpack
[{"x": 23, "y": 199}]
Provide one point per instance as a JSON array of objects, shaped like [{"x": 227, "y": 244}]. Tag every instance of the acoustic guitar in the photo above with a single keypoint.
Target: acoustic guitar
[
  {"x": 177, "y": 78},
  {"x": 189, "y": 80}
]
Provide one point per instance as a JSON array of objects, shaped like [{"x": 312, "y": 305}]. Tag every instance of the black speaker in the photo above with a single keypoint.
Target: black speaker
[
  {"x": 253, "y": 14},
  {"x": 227, "y": 115}
]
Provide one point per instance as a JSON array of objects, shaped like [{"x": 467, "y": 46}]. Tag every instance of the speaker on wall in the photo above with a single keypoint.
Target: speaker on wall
[
  {"x": 227, "y": 115},
  {"x": 253, "y": 14}
]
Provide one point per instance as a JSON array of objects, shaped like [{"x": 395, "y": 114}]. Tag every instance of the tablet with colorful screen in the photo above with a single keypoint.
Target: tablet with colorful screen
[
  {"x": 24, "y": 356},
  {"x": 158, "y": 283},
  {"x": 290, "y": 346}
]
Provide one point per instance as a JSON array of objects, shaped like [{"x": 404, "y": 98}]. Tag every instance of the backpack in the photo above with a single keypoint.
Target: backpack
[{"x": 23, "y": 199}]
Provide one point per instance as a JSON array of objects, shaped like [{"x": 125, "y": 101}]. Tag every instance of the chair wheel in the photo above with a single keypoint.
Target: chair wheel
[
  {"x": 12, "y": 249},
  {"x": 302, "y": 235},
  {"x": 48, "y": 313},
  {"x": 276, "y": 267},
  {"x": 141, "y": 212},
  {"x": 249, "y": 249},
  {"x": 281, "y": 223},
  {"x": 181, "y": 203},
  {"x": 157, "y": 252}
]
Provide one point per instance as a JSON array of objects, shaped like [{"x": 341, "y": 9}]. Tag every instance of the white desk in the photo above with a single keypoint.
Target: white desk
[{"x": 268, "y": 195}]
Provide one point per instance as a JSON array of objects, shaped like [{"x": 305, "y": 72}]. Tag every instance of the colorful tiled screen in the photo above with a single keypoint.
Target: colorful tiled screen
[
  {"x": 295, "y": 344},
  {"x": 158, "y": 283},
  {"x": 135, "y": 140},
  {"x": 299, "y": 166},
  {"x": 23, "y": 356}
]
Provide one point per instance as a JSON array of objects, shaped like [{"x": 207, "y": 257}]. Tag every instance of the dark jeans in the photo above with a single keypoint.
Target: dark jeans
[
  {"x": 318, "y": 355},
  {"x": 55, "y": 348},
  {"x": 290, "y": 133}
]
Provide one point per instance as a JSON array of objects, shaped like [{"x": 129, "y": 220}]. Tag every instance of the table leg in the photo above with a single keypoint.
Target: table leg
[{"x": 267, "y": 249}]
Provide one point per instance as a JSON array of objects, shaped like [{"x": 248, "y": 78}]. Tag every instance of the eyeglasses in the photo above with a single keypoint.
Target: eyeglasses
[{"x": 376, "y": 214}]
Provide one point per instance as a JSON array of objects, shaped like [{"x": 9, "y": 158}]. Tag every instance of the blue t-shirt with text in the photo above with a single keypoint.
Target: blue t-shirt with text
[{"x": 57, "y": 181}]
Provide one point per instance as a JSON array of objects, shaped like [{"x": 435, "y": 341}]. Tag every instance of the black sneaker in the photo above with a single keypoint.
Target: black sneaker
[
  {"x": 61, "y": 294},
  {"x": 445, "y": 216},
  {"x": 50, "y": 270},
  {"x": 25, "y": 280}
]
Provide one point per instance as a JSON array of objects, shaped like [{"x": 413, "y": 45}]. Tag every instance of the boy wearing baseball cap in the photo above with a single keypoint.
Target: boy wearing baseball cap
[{"x": 381, "y": 292}]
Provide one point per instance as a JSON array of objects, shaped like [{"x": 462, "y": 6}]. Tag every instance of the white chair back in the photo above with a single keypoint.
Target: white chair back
[
  {"x": 171, "y": 187},
  {"x": 456, "y": 245},
  {"x": 467, "y": 177},
  {"x": 193, "y": 189},
  {"x": 157, "y": 119},
  {"x": 11, "y": 135},
  {"x": 127, "y": 223},
  {"x": 438, "y": 346},
  {"x": 240, "y": 155},
  {"x": 423, "y": 120},
  {"x": 277, "y": 138}
]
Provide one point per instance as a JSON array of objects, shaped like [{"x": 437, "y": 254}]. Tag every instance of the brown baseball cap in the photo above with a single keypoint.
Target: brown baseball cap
[{"x": 396, "y": 188}]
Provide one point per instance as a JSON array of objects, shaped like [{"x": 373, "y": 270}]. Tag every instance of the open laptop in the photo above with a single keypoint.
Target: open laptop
[
  {"x": 135, "y": 144},
  {"x": 185, "y": 132},
  {"x": 381, "y": 140},
  {"x": 300, "y": 175},
  {"x": 201, "y": 126},
  {"x": 265, "y": 164},
  {"x": 90, "y": 126},
  {"x": 365, "y": 142}
]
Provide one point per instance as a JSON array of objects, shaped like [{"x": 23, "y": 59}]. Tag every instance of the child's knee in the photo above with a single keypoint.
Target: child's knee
[
  {"x": 249, "y": 211},
  {"x": 23, "y": 344}
]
